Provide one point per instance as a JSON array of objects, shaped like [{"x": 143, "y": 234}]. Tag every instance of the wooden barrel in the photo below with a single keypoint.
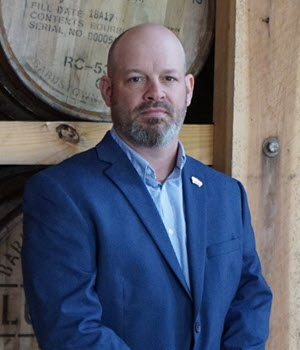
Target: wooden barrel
[
  {"x": 54, "y": 52},
  {"x": 16, "y": 332}
]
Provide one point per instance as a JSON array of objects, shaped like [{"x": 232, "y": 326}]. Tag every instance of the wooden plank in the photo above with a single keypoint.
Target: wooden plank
[
  {"x": 267, "y": 103},
  {"x": 40, "y": 143},
  {"x": 223, "y": 84}
]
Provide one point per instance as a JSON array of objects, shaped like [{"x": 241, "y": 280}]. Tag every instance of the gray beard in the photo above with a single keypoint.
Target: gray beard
[{"x": 152, "y": 136}]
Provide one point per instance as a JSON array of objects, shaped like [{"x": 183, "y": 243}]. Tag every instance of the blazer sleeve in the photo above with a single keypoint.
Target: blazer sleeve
[
  {"x": 247, "y": 322},
  {"x": 59, "y": 272}
]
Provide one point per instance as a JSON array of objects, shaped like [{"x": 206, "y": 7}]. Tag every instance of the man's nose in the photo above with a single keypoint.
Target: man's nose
[{"x": 154, "y": 91}]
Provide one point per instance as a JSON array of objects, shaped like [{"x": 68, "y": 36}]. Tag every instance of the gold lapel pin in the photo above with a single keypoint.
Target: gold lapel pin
[{"x": 196, "y": 181}]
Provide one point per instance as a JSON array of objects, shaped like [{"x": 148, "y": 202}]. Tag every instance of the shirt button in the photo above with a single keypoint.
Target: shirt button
[
  {"x": 170, "y": 231},
  {"x": 197, "y": 327}
]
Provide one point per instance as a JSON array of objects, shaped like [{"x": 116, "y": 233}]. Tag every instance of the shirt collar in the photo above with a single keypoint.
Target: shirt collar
[{"x": 142, "y": 166}]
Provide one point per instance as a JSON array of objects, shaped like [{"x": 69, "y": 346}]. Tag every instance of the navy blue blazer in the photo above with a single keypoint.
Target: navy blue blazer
[{"x": 100, "y": 271}]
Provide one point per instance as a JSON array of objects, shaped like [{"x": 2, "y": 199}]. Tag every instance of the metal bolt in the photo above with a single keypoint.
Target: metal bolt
[{"x": 271, "y": 147}]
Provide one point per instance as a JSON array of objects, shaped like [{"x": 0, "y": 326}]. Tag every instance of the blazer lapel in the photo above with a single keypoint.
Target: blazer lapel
[
  {"x": 124, "y": 176},
  {"x": 195, "y": 214}
]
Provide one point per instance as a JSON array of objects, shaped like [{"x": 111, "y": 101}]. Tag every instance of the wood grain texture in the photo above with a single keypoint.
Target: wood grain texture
[
  {"x": 267, "y": 104},
  {"x": 52, "y": 142},
  {"x": 223, "y": 82}
]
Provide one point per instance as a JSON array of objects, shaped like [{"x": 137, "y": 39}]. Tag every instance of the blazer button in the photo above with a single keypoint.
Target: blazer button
[{"x": 197, "y": 327}]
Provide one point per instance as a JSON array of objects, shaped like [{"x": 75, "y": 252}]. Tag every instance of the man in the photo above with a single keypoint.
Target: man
[{"x": 134, "y": 245}]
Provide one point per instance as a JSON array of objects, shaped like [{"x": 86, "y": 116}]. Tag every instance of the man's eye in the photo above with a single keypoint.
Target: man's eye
[
  {"x": 168, "y": 78},
  {"x": 135, "y": 79}
]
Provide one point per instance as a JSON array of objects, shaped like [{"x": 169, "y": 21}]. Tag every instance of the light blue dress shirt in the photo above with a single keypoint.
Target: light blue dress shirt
[{"x": 168, "y": 198}]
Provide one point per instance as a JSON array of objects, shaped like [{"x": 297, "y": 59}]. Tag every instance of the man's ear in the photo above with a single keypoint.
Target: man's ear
[
  {"x": 106, "y": 89},
  {"x": 189, "y": 83}
]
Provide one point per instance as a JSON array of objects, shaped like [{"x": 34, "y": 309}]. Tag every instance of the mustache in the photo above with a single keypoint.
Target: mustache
[{"x": 156, "y": 104}]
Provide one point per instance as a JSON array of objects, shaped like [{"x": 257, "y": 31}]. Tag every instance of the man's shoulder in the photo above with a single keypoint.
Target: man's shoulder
[
  {"x": 208, "y": 172},
  {"x": 83, "y": 164},
  {"x": 216, "y": 183},
  {"x": 77, "y": 169}
]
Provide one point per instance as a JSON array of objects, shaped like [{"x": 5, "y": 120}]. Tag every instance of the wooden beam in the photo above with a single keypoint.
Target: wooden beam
[
  {"x": 267, "y": 104},
  {"x": 223, "y": 84},
  {"x": 52, "y": 142}
]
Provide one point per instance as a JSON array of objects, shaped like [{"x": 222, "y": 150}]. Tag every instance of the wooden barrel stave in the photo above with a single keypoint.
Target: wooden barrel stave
[{"x": 16, "y": 332}]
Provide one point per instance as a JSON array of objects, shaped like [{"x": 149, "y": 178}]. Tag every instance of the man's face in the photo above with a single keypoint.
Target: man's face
[{"x": 149, "y": 91}]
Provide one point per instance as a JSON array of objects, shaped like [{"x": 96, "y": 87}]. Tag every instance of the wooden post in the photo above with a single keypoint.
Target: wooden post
[
  {"x": 266, "y": 103},
  {"x": 223, "y": 82}
]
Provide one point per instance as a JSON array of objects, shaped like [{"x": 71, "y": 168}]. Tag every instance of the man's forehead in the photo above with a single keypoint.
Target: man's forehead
[
  {"x": 163, "y": 70},
  {"x": 149, "y": 64}
]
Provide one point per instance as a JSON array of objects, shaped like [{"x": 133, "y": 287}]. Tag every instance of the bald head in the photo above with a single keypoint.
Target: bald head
[{"x": 151, "y": 36}]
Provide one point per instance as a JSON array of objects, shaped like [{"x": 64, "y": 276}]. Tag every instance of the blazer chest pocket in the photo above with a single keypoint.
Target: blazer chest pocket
[{"x": 223, "y": 248}]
